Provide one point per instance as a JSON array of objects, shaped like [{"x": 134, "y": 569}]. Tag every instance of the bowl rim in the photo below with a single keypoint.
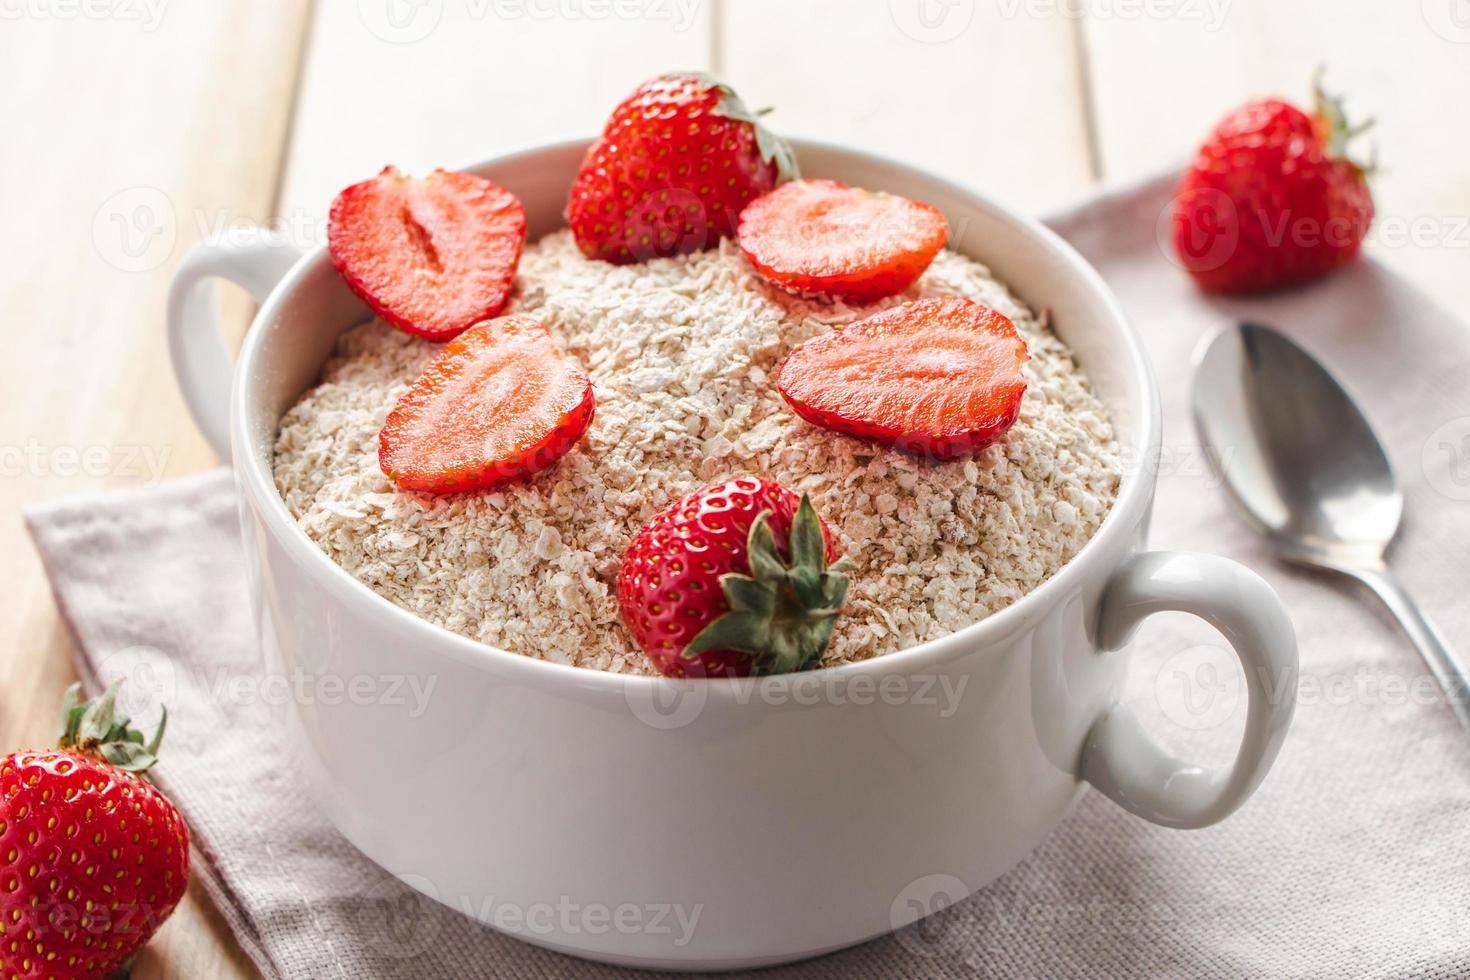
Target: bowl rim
[{"x": 257, "y": 485}]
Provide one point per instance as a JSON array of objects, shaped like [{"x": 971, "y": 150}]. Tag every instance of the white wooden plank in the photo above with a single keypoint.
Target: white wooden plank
[
  {"x": 468, "y": 79},
  {"x": 987, "y": 92}
]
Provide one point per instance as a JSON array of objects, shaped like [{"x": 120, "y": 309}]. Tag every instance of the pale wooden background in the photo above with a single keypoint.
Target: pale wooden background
[{"x": 220, "y": 112}]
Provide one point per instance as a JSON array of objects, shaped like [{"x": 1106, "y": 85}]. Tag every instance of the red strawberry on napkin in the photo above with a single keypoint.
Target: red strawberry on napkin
[
  {"x": 93, "y": 858},
  {"x": 1272, "y": 198}
]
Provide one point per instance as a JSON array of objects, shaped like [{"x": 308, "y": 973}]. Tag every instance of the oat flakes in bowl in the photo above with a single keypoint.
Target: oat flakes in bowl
[{"x": 682, "y": 353}]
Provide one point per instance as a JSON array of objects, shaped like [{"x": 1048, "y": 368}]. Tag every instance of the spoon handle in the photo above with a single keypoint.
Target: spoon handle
[{"x": 1448, "y": 669}]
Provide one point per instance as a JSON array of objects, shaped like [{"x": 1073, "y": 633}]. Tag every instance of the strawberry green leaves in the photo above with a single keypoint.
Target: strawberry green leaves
[
  {"x": 95, "y": 727},
  {"x": 781, "y": 614}
]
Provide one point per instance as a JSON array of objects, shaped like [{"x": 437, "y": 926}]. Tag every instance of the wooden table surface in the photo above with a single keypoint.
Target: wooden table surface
[{"x": 130, "y": 129}]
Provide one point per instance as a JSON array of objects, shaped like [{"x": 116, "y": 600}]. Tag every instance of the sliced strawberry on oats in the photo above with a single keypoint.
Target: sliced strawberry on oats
[
  {"x": 823, "y": 238},
  {"x": 499, "y": 402},
  {"x": 431, "y": 255},
  {"x": 940, "y": 377}
]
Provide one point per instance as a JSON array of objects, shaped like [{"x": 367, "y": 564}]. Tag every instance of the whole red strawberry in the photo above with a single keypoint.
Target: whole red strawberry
[
  {"x": 676, "y": 163},
  {"x": 1272, "y": 199},
  {"x": 734, "y": 579},
  {"x": 93, "y": 858}
]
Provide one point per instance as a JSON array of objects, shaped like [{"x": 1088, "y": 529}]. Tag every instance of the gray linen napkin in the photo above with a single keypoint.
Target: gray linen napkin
[{"x": 1352, "y": 859}]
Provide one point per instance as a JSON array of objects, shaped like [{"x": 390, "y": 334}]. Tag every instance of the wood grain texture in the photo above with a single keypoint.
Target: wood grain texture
[
  {"x": 1160, "y": 82},
  {"x": 127, "y": 141},
  {"x": 462, "y": 81},
  {"x": 981, "y": 92}
]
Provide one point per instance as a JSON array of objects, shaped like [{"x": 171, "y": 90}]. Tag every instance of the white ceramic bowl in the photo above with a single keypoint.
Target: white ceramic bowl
[{"x": 723, "y": 823}]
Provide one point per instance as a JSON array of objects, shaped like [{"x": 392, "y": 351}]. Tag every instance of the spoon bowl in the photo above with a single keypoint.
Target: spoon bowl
[
  {"x": 1303, "y": 465},
  {"x": 1299, "y": 459}
]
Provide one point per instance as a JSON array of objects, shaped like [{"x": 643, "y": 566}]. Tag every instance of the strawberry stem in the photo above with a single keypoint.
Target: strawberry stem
[
  {"x": 773, "y": 148},
  {"x": 782, "y": 614},
  {"x": 95, "y": 728},
  {"x": 1337, "y": 132}
]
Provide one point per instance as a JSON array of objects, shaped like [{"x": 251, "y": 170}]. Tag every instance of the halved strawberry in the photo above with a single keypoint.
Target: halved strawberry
[
  {"x": 819, "y": 237},
  {"x": 500, "y": 401},
  {"x": 940, "y": 377},
  {"x": 431, "y": 255}
]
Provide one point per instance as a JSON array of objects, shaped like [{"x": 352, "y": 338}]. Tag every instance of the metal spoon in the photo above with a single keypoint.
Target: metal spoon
[{"x": 1303, "y": 465}]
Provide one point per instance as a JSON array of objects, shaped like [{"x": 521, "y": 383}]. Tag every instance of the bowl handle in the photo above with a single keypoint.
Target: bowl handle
[
  {"x": 252, "y": 258},
  {"x": 1127, "y": 763}
]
